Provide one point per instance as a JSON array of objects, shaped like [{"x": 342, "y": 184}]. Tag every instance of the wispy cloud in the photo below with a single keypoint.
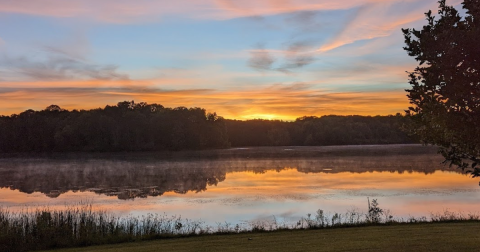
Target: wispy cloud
[
  {"x": 59, "y": 65},
  {"x": 377, "y": 19},
  {"x": 261, "y": 59},
  {"x": 121, "y": 11},
  {"x": 302, "y": 18},
  {"x": 111, "y": 11},
  {"x": 296, "y": 55},
  {"x": 301, "y": 36},
  {"x": 273, "y": 7}
]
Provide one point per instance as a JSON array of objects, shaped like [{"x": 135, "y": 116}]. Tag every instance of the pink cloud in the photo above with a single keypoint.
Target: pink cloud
[
  {"x": 380, "y": 19},
  {"x": 376, "y": 18},
  {"x": 272, "y": 7},
  {"x": 142, "y": 10},
  {"x": 114, "y": 11}
]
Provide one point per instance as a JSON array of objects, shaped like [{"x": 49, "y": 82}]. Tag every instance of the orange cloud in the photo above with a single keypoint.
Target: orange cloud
[
  {"x": 280, "y": 101},
  {"x": 273, "y": 7}
]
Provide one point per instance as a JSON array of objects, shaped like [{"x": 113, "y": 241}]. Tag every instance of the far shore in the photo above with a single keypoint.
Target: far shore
[{"x": 242, "y": 152}]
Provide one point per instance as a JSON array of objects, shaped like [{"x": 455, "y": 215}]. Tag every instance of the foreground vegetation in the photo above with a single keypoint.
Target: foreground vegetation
[
  {"x": 418, "y": 237},
  {"x": 37, "y": 229},
  {"x": 445, "y": 86}
]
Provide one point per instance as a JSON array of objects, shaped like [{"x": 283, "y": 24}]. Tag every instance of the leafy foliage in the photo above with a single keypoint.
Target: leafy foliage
[{"x": 445, "y": 91}]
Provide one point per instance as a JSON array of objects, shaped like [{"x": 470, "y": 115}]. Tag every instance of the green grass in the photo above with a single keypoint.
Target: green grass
[{"x": 460, "y": 236}]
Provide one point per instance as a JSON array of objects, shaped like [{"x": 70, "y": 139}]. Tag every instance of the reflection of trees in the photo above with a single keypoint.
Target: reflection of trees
[
  {"x": 127, "y": 179},
  {"x": 116, "y": 178}
]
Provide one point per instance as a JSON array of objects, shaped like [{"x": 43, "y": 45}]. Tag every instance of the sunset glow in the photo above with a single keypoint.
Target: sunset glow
[
  {"x": 134, "y": 120},
  {"x": 242, "y": 59}
]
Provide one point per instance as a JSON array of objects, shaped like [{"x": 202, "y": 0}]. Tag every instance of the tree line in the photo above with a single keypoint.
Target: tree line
[
  {"x": 318, "y": 131},
  {"x": 130, "y": 126}
]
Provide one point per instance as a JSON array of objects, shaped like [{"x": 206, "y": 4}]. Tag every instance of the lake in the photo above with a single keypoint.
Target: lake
[{"x": 243, "y": 184}]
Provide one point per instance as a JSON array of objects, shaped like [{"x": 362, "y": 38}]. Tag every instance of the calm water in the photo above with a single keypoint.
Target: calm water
[{"x": 244, "y": 184}]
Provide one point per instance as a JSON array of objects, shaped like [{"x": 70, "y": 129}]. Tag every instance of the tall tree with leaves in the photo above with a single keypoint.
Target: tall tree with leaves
[{"x": 445, "y": 86}]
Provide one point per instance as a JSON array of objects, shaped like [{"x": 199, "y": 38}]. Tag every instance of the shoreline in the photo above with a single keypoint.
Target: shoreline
[
  {"x": 80, "y": 226},
  {"x": 239, "y": 152}
]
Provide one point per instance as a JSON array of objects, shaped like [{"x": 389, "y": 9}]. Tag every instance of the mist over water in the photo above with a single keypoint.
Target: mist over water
[{"x": 244, "y": 184}]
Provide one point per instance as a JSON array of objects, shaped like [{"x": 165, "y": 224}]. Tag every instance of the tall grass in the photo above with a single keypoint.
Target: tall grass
[
  {"x": 43, "y": 228},
  {"x": 80, "y": 225}
]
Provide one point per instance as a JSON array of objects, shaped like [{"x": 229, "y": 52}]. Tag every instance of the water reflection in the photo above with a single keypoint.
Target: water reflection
[
  {"x": 128, "y": 179},
  {"x": 246, "y": 184}
]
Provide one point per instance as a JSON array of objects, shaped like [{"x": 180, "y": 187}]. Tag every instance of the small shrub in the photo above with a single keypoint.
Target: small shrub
[{"x": 374, "y": 212}]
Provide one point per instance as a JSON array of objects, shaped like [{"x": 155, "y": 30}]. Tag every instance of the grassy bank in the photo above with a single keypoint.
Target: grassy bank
[
  {"x": 80, "y": 226},
  {"x": 461, "y": 236}
]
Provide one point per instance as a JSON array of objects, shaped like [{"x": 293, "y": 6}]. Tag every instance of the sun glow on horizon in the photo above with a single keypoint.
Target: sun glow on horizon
[
  {"x": 266, "y": 117},
  {"x": 275, "y": 102},
  {"x": 218, "y": 58}
]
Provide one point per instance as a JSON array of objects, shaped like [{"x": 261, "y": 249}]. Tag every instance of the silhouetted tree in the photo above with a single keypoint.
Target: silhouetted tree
[
  {"x": 128, "y": 126},
  {"x": 445, "y": 91},
  {"x": 326, "y": 130},
  {"x": 279, "y": 136}
]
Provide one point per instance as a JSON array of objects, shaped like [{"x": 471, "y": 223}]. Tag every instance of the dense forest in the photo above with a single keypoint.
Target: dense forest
[
  {"x": 131, "y": 126},
  {"x": 317, "y": 131},
  {"x": 128, "y": 126}
]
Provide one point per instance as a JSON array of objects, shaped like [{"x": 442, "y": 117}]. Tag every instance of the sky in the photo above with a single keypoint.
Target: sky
[{"x": 243, "y": 59}]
